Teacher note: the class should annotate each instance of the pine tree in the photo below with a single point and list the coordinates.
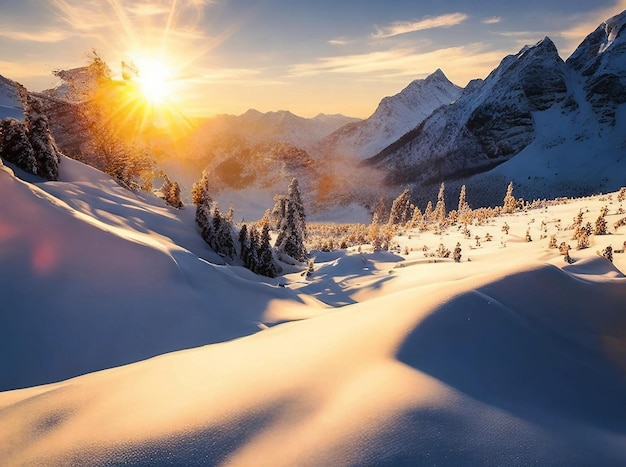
(15, 145)
(601, 226)
(456, 254)
(439, 214)
(44, 147)
(244, 242)
(251, 260)
(428, 212)
(380, 215)
(203, 203)
(509, 200)
(292, 224)
(400, 209)
(266, 265)
(174, 196)
(416, 219)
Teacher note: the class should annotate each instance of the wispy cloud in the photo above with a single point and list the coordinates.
(340, 41)
(403, 27)
(492, 20)
(37, 36)
(462, 63)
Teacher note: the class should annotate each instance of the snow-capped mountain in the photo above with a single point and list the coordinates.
(394, 116)
(11, 98)
(282, 126)
(555, 122)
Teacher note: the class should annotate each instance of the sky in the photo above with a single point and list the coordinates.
(227, 56)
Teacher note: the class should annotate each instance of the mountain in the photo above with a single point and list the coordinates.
(394, 116)
(282, 126)
(549, 125)
(12, 96)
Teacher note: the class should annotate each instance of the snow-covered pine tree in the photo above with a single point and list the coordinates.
(266, 266)
(292, 225)
(439, 214)
(203, 202)
(464, 210)
(400, 209)
(15, 145)
(601, 225)
(509, 200)
(251, 260)
(44, 147)
(456, 254)
(244, 242)
(224, 236)
(174, 196)
(380, 215)
(428, 212)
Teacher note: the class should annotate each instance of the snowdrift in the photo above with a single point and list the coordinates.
(513, 368)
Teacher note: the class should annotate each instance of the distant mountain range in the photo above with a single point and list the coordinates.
(554, 127)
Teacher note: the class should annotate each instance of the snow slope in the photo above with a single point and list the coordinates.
(10, 100)
(512, 358)
(94, 276)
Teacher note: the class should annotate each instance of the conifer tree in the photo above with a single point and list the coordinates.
(400, 209)
(292, 225)
(15, 145)
(244, 242)
(428, 212)
(601, 226)
(439, 214)
(203, 201)
(509, 200)
(380, 212)
(44, 147)
(266, 266)
(251, 260)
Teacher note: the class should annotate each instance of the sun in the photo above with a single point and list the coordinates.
(154, 79)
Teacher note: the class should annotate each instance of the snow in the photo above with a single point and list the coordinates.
(10, 101)
(512, 358)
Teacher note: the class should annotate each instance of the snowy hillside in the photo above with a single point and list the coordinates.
(394, 116)
(563, 116)
(95, 276)
(11, 102)
(510, 356)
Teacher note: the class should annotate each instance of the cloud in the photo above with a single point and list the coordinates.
(39, 36)
(340, 41)
(492, 20)
(462, 63)
(403, 27)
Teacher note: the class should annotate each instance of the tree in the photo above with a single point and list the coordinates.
(428, 212)
(464, 210)
(456, 254)
(15, 145)
(380, 215)
(203, 202)
(244, 242)
(44, 147)
(439, 214)
(291, 221)
(510, 203)
(251, 260)
(401, 209)
(266, 266)
(601, 226)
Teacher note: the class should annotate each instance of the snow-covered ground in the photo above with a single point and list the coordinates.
(388, 358)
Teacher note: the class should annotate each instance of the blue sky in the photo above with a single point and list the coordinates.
(307, 57)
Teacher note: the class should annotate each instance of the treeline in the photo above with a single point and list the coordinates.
(250, 244)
